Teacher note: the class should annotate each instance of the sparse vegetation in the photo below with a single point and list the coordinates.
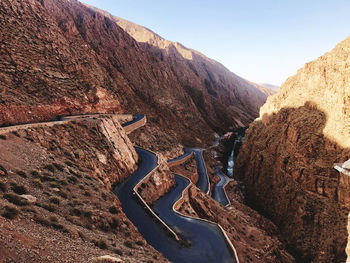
(42, 221)
(115, 222)
(63, 182)
(58, 166)
(53, 223)
(113, 210)
(63, 194)
(49, 207)
(76, 212)
(55, 200)
(139, 243)
(15, 199)
(10, 212)
(47, 178)
(128, 243)
(118, 251)
(16, 133)
(69, 163)
(37, 183)
(18, 189)
(3, 187)
(50, 167)
(35, 174)
(3, 171)
(72, 179)
(22, 174)
(100, 243)
(3, 137)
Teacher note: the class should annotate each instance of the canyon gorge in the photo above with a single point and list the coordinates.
(112, 137)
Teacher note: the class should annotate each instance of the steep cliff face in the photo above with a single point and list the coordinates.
(72, 215)
(222, 98)
(61, 57)
(286, 161)
(254, 237)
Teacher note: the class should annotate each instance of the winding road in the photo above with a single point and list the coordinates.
(219, 193)
(203, 180)
(208, 244)
(207, 241)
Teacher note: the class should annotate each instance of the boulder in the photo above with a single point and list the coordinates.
(346, 165)
(106, 259)
(31, 199)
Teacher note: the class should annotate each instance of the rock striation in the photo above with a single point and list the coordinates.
(286, 161)
(63, 58)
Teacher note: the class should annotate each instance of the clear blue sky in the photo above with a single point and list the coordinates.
(264, 41)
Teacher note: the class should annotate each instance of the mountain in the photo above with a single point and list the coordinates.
(270, 86)
(58, 175)
(286, 162)
(78, 60)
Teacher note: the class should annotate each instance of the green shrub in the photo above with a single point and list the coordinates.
(28, 209)
(72, 179)
(47, 178)
(55, 200)
(118, 252)
(63, 182)
(42, 221)
(60, 227)
(3, 170)
(63, 194)
(128, 243)
(115, 222)
(15, 199)
(113, 210)
(22, 174)
(76, 212)
(58, 166)
(10, 212)
(18, 189)
(87, 213)
(16, 133)
(76, 202)
(35, 174)
(100, 243)
(49, 207)
(30, 139)
(3, 187)
(139, 243)
(53, 222)
(50, 167)
(69, 163)
(37, 183)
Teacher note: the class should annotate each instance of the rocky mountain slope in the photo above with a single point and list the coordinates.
(61, 57)
(270, 86)
(287, 159)
(56, 201)
(202, 76)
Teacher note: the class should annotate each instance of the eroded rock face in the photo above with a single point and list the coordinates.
(158, 183)
(254, 237)
(65, 171)
(63, 58)
(287, 159)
